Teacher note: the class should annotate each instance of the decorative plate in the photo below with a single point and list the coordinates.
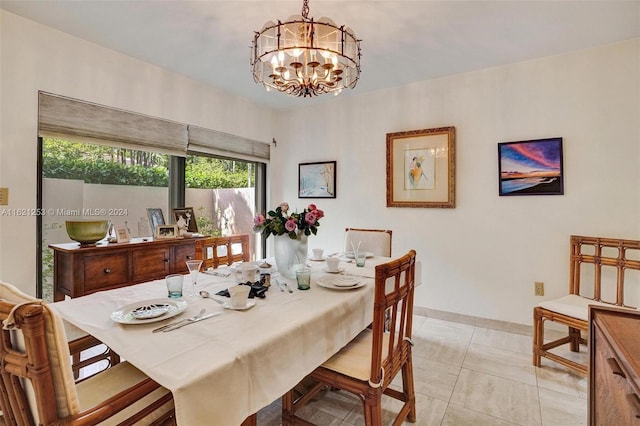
(350, 254)
(332, 272)
(340, 282)
(141, 313)
(227, 305)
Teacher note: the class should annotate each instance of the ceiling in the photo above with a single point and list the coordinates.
(402, 40)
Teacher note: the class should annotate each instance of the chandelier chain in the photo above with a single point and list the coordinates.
(305, 9)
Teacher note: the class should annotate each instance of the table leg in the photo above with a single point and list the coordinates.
(252, 420)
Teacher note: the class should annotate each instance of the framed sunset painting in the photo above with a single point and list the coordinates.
(531, 167)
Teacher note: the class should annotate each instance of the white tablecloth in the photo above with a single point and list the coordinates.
(225, 368)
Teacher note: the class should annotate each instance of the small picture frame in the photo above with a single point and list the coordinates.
(317, 180)
(155, 218)
(532, 167)
(122, 235)
(166, 231)
(186, 220)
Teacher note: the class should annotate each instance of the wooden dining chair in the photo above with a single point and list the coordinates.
(376, 241)
(609, 262)
(217, 251)
(368, 364)
(36, 378)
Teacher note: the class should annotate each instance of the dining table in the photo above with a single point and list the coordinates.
(224, 369)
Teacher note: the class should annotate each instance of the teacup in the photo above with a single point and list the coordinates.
(246, 272)
(239, 295)
(333, 264)
(317, 253)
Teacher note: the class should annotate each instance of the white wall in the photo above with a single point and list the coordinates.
(482, 258)
(34, 57)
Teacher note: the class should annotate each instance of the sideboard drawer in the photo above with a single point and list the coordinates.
(182, 253)
(102, 271)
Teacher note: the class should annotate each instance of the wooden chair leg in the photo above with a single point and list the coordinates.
(287, 409)
(574, 339)
(409, 389)
(538, 336)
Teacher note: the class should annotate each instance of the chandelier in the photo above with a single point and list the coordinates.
(303, 57)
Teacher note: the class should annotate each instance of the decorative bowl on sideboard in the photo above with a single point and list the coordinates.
(87, 232)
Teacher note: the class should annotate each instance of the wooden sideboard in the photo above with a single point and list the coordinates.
(83, 270)
(614, 373)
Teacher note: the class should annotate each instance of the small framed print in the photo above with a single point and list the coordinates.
(166, 231)
(155, 218)
(186, 219)
(122, 235)
(531, 167)
(317, 180)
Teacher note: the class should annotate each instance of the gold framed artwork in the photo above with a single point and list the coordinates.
(421, 166)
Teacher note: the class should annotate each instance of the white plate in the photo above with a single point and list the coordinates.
(227, 305)
(330, 282)
(350, 254)
(332, 272)
(125, 315)
(318, 260)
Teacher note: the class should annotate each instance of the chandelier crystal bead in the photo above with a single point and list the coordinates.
(304, 57)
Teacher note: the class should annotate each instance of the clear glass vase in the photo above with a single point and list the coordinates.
(290, 253)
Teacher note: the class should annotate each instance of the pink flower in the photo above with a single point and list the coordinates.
(310, 218)
(319, 214)
(290, 225)
(259, 220)
(312, 207)
(284, 207)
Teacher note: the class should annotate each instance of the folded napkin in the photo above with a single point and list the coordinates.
(257, 290)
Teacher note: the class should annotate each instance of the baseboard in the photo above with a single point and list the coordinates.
(509, 327)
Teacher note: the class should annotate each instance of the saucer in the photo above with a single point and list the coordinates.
(315, 259)
(250, 304)
(332, 272)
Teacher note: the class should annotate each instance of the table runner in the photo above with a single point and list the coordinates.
(226, 368)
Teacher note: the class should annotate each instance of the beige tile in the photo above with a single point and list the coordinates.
(503, 340)
(502, 363)
(431, 378)
(505, 399)
(559, 409)
(442, 341)
(558, 378)
(429, 411)
(460, 416)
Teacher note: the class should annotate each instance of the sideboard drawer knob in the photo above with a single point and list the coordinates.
(166, 261)
(188, 257)
(107, 270)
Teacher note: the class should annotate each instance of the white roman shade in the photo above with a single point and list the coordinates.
(82, 121)
(221, 144)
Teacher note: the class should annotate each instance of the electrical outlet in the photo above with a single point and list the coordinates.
(539, 288)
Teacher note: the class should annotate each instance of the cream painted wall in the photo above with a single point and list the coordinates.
(34, 57)
(482, 257)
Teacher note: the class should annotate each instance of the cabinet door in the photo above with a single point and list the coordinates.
(182, 253)
(105, 270)
(150, 263)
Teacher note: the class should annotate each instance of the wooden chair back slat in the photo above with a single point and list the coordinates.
(212, 245)
(621, 263)
(392, 313)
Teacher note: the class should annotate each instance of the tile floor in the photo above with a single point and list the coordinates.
(466, 375)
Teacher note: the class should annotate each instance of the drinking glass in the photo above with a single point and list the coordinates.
(303, 276)
(361, 257)
(194, 268)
